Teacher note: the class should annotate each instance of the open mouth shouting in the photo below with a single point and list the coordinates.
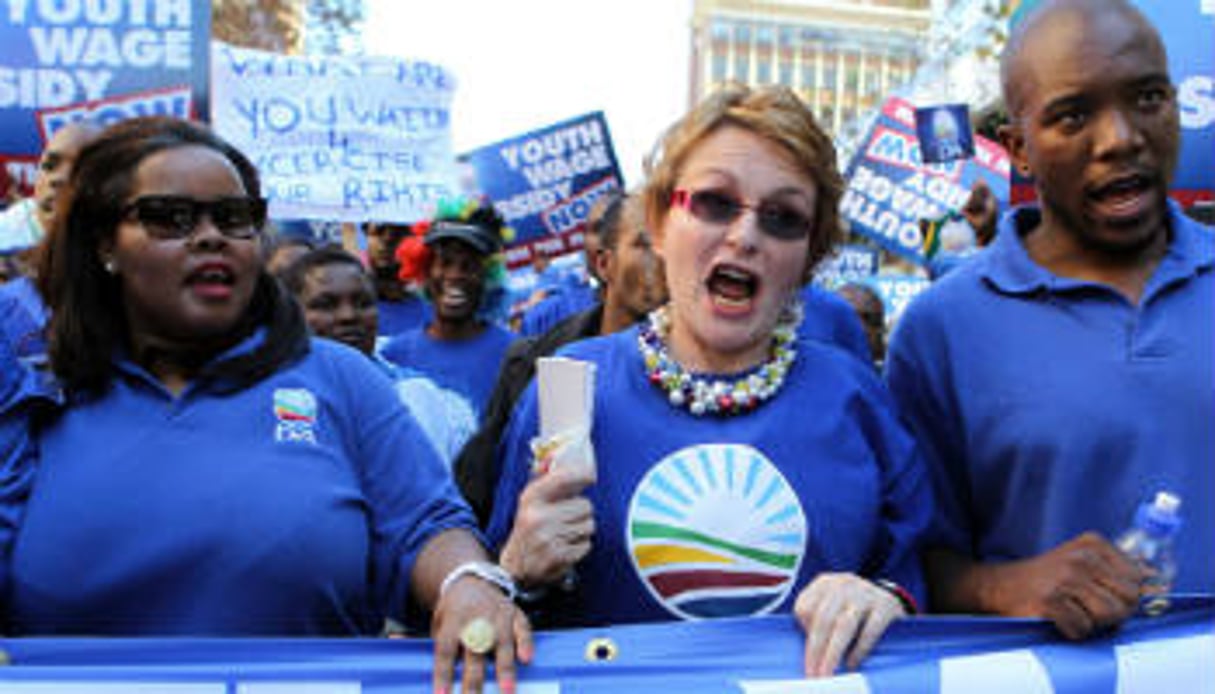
(1123, 199)
(212, 281)
(732, 289)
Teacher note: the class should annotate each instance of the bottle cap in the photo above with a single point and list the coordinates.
(1160, 517)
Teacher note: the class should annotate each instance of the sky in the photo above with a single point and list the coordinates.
(521, 65)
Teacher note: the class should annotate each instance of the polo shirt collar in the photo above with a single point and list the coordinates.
(1008, 267)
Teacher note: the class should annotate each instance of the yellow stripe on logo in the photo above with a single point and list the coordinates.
(649, 556)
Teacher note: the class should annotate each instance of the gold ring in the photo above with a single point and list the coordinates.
(478, 636)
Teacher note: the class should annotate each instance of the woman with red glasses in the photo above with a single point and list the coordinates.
(741, 469)
(209, 470)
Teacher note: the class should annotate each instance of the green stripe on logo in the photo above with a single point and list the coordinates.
(646, 530)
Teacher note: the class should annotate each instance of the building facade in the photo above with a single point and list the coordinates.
(844, 57)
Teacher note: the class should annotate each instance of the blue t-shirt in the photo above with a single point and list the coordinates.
(563, 302)
(294, 507)
(464, 369)
(1047, 406)
(397, 317)
(713, 517)
(830, 319)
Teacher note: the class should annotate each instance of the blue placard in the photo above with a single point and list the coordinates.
(890, 188)
(944, 132)
(849, 263)
(63, 60)
(545, 181)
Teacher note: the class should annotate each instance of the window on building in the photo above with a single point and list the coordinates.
(720, 30)
(742, 65)
(763, 71)
(718, 67)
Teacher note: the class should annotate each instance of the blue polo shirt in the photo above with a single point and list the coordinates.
(1048, 406)
(465, 369)
(699, 517)
(296, 506)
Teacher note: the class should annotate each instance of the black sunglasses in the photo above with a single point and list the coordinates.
(716, 207)
(175, 216)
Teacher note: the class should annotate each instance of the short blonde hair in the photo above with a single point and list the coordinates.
(773, 112)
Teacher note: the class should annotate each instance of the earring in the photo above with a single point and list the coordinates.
(109, 266)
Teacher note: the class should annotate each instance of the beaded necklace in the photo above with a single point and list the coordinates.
(722, 396)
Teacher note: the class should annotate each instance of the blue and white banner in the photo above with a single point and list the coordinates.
(544, 183)
(60, 61)
(849, 263)
(890, 188)
(943, 655)
(339, 138)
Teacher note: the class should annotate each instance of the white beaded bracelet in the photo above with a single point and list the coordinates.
(485, 571)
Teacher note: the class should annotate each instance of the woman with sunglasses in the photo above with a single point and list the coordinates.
(741, 469)
(209, 469)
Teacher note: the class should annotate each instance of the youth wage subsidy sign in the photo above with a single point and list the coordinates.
(890, 188)
(63, 60)
(544, 183)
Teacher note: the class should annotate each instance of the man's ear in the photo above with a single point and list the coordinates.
(602, 264)
(1013, 139)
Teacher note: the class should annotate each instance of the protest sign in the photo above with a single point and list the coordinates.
(896, 292)
(890, 188)
(849, 263)
(339, 138)
(67, 59)
(944, 132)
(545, 182)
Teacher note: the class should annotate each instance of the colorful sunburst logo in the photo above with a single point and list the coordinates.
(716, 531)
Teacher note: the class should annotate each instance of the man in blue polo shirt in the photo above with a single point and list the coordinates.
(1065, 375)
(460, 349)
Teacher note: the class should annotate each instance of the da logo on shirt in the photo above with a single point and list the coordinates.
(295, 410)
(716, 531)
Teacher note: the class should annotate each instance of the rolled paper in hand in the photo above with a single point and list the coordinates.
(478, 636)
(566, 390)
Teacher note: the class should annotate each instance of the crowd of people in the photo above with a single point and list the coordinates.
(209, 430)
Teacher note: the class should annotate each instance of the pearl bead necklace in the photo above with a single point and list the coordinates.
(702, 395)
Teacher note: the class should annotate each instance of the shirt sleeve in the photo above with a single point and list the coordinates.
(907, 501)
(19, 397)
(408, 487)
(919, 383)
(515, 454)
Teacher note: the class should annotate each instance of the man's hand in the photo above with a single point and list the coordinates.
(1084, 586)
(553, 527)
(980, 210)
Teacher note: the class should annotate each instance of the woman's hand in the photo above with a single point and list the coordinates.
(468, 599)
(552, 529)
(842, 613)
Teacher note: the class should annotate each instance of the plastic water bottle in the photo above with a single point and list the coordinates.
(1150, 542)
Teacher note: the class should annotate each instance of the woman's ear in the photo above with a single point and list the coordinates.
(105, 256)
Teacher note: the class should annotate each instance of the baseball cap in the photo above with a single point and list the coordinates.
(475, 235)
